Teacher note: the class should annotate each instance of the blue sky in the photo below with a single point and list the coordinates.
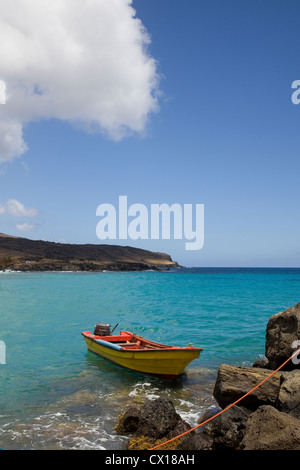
(224, 133)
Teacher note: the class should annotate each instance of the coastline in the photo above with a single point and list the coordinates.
(22, 254)
(258, 407)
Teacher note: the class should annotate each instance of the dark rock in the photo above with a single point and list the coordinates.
(158, 422)
(233, 382)
(261, 363)
(270, 429)
(128, 421)
(199, 441)
(157, 418)
(289, 394)
(227, 429)
(180, 428)
(283, 329)
(209, 414)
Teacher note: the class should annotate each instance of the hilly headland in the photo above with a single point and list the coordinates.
(22, 254)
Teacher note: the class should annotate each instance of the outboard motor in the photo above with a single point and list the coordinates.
(102, 329)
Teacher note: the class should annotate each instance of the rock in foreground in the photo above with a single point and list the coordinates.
(283, 333)
(155, 422)
(234, 382)
(228, 429)
(270, 429)
(289, 393)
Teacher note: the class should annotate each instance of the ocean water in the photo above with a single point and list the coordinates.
(55, 394)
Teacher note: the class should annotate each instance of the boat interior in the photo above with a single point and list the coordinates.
(129, 340)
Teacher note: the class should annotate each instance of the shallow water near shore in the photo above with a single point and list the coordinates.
(56, 395)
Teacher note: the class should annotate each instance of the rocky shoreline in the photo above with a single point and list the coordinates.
(266, 419)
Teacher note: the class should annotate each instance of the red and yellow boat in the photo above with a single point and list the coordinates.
(139, 354)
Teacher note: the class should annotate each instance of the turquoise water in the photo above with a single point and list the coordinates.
(56, 395)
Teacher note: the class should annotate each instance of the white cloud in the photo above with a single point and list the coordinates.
(83, 62)
(12, 144)
(2, 92)
(17, 209)
(25, 227)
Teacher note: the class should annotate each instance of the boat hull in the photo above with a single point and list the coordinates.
(166, 362)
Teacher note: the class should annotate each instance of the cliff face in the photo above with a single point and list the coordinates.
(32, 255)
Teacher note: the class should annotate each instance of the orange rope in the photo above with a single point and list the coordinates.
(229, 406)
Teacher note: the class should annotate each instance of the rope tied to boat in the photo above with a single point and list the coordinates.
(229, 406)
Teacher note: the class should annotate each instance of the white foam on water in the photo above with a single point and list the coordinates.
(9, 271)
(186, 406)
(141, 389)
(60, 430)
